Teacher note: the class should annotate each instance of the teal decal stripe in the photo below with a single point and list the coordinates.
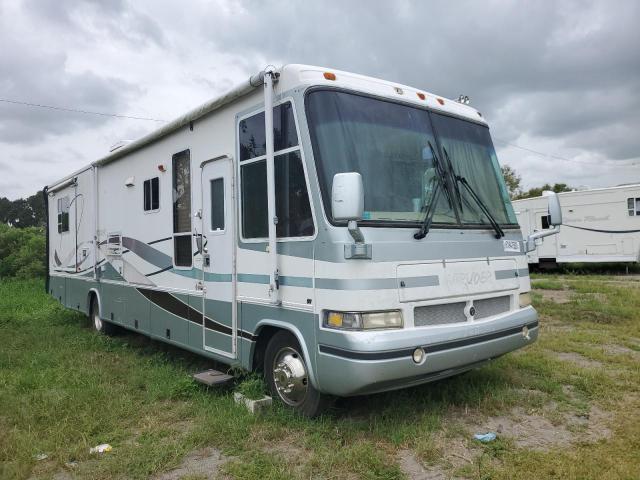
(356, 284)
(290, 281)
(253, 278)
(505, 274)
(208, 277)
(414, 282)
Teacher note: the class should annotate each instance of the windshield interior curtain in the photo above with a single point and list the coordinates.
(388, 144)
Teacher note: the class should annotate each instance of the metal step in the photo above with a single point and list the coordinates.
(212, 377)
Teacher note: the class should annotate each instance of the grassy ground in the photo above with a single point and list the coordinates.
(566, 407)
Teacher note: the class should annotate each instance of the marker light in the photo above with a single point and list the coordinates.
(418, 355)
(329, 76)
(421, 95)
(440, 101)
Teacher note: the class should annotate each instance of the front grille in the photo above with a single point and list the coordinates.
(488, 307)
(439, 314)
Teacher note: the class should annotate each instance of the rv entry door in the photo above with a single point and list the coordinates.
(218, 234)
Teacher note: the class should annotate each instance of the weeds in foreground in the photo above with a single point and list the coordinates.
(64, 389)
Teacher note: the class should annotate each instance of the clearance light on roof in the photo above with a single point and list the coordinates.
(440, 101)
(329, 75)
(162, 168)
(398, 90)
(421, 96)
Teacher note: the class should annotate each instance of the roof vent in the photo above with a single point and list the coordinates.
(118, 145)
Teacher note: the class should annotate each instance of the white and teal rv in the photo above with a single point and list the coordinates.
(344, 234)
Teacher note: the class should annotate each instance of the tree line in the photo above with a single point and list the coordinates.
(23, 212)
(513, 181)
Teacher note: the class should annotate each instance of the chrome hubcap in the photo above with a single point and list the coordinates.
(290, 376)
(97, 322)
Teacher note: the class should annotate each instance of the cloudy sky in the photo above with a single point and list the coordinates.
(561, 79)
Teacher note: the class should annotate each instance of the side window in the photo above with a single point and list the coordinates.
(63, 214)
(182, 242)
(151, 189)
(292, 200)
(251, 132)
(633, 206)
(217, 204)
(545, 221)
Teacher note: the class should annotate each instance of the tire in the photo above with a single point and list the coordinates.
(99, 325)
(286, 374)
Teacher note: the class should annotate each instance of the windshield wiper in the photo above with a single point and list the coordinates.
(474, 195)
(435, 196)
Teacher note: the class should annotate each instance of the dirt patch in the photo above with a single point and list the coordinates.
(593, 426)
(527, 430)
(204, 463)
(614, 349)
(414, 470)
(577, 359)
(556, 296)
(537, 431)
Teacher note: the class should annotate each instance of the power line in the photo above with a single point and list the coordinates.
(102, 114)
(556, 157)
(65, 109)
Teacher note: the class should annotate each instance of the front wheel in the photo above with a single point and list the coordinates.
(98, 324)
(286, 373)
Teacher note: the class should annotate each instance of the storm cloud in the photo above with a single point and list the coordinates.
(561, 78)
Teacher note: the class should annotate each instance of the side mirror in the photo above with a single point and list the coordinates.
(555, 219)
(347, 196)
(555, 211)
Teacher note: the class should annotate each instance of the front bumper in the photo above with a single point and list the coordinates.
(356, 363)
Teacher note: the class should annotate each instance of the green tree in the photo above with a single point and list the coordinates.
(537, 191)
(512, 179)
(22, 252)
(23, 212)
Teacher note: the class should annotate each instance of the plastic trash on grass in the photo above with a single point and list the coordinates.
(102, 448)
(485, 437)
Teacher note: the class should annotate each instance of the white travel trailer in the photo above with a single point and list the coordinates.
(344, 234)
(600, 225)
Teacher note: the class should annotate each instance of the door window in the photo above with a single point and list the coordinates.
(217, 204)
(181, 163)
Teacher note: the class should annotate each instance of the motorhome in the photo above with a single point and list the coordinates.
(600, 225)
(343, 234)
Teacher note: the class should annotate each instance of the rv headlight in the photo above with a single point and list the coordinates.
(525, 299)
(363, 320)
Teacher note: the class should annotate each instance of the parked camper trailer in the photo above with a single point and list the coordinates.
(344, 234)
(600, 225)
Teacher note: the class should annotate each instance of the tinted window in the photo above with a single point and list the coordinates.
(181, 192)
(292, 200)
(63, 214)
(251, 132)
(151, 194)
(217, 204)
(254, 200)
(182, 253)
(545, 221)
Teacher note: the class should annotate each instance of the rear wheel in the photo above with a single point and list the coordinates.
(98, 324)
(286, 373)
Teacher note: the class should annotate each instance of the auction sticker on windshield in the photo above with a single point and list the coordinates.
(511, 246)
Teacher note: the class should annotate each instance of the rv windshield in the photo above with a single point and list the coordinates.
(388, 144)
